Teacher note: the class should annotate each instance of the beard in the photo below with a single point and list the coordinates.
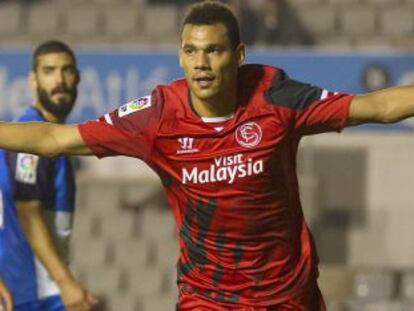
(63, 107)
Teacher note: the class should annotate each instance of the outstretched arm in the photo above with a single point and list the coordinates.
(41, 138)
(385, 106)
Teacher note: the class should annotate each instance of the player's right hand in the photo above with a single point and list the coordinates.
(6, 301)
(75, 297)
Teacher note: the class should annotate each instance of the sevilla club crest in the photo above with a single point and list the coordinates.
(249, 134)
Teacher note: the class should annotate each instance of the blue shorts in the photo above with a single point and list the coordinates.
(52, 303)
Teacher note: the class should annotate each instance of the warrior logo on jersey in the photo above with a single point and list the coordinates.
(186, 145)
(249, 134)
(134, 105)
(26, 167)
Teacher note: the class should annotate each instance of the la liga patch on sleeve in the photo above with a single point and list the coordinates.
(26, 168)
(134, 106)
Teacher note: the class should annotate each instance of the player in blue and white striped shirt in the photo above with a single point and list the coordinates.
(44, 189)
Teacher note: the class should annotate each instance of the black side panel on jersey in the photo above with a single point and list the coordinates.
(291, 93)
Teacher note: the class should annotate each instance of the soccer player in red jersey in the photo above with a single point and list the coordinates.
(224, 141)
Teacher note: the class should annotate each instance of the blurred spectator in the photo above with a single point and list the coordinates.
(281, 26)
(249, 18)
(271, 22)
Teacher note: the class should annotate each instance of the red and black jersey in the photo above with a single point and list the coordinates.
(234, 191)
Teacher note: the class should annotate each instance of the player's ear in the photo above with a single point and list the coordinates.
(32, 80)
(180, 53)
(241, 54)
(78, 77)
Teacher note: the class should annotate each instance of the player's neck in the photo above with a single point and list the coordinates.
(49, 117)
(216, 107)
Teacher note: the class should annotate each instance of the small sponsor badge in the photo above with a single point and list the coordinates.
(134, 105)
(26, 168)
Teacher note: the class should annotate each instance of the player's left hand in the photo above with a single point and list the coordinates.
(6, 301)
(92, 300)
(75, 297)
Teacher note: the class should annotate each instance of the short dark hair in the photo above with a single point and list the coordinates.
(212, 13)
(51, 46)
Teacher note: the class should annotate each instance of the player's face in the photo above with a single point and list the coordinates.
(56, 79)
(209, 60)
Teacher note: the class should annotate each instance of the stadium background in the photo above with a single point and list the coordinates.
(356, 187)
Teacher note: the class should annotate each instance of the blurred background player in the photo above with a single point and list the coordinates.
(44, 188)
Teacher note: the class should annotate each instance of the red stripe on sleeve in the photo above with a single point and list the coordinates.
(105, 140)
(330, 114)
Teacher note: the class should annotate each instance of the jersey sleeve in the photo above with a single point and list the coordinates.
(129, 130)
(30, 176)
(314, 110)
